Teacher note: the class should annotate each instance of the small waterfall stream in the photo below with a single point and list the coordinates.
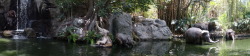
(22, 18)
(22, 14)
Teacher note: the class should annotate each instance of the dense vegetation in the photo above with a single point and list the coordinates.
(178, 14)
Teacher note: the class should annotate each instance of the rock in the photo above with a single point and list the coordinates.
(74, 25)
(8, 33)
(78, 22)
(150, 29)
(142, 31)
(121, 27)
(29, 32)
(80, 32)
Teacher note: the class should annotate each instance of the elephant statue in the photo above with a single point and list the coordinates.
(196, 36)
(105, 40)
(210, 26)
(230, 34)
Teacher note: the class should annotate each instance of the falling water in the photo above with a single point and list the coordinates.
(22, 12)
(22, 18)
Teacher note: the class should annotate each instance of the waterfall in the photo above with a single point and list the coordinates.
(22, 14)
(22, 18)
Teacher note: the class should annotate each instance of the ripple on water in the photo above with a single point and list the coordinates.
(19, 37)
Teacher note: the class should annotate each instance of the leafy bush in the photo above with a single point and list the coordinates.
(72, 36)
(242, 25)
(224, 21)
(92, 37)
(182, 24)
(129, 6)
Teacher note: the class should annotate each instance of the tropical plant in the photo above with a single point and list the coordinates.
(71, 35)
(92, 37)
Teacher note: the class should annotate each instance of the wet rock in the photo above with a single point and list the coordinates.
(121, 27)
(75, 26)
(29, 32)
(150, 29)
(78, 22)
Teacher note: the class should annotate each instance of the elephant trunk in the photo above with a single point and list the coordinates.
(233, 37)
(211, 41)
(206, 35)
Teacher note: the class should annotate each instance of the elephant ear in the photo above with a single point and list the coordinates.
(205, 35)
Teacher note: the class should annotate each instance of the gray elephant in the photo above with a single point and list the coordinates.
(197, 36)
(230, 34)
(210, 26)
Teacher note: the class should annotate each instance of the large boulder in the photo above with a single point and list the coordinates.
(121, 27)
(152, 29)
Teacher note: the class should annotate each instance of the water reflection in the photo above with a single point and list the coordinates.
(49, 47)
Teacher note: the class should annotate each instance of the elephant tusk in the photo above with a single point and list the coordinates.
(211, 41)
(233, 37)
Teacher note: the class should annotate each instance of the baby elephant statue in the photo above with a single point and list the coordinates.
(105, 41)
(230, 34)
(197, 36)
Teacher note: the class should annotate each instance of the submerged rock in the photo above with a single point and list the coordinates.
(149, 29)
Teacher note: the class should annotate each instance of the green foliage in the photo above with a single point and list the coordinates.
(103, 9)
(132, 5)
(151, 13)
(117, 6)
(223, 20)
(66, 6)
(72, 36)
(92, 36)
(242, 25)
(183, 24)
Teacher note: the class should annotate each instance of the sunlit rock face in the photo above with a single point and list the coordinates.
(148, 29)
